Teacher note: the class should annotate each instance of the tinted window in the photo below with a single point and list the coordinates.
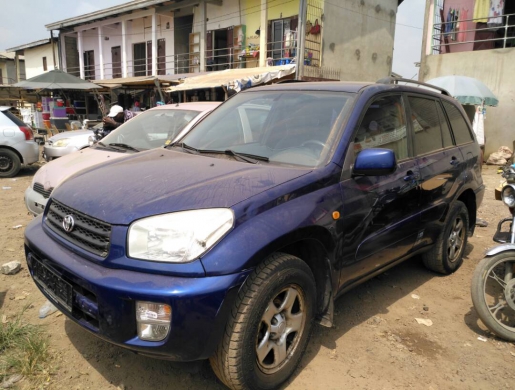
(287, 127)
(426, 125)
(151, 129)
(384, 126)
(459, 126)
(446, 131)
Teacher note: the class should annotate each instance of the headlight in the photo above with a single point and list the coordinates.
(178, 237)
(62, 142)
(508, 196)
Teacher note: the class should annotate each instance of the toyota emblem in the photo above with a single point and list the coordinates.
(68, 223)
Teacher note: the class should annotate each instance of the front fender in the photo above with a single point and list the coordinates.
(499, 248)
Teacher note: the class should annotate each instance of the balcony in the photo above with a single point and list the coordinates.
(464, 35)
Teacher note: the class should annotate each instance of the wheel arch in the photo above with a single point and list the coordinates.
(315, 246)
(13, 150)
(469, 199)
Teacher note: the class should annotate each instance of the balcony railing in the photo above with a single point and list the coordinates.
(472, 35)
(278, 52)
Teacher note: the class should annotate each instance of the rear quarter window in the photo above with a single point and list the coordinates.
(13, 118)
(459, 126)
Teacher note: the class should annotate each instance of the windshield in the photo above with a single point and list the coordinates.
(287, 127)
(151, 129)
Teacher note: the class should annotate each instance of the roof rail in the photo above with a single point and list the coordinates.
(396, 80)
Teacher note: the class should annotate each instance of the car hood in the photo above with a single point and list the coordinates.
(71, 134)
(162, 181)
(53, 173)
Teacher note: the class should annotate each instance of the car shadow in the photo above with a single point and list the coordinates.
(371, 299)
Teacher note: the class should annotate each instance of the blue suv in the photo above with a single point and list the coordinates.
(230, 243)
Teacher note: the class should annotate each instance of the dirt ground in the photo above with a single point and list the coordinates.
(375, 343)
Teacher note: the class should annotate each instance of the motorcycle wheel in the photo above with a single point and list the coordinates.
(493, 297)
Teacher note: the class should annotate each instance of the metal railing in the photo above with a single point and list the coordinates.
(280, 52)
(486, 37)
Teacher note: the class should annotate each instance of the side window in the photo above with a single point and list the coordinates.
(459, 126)
(384, 126)
(426, 125)
(446, 131)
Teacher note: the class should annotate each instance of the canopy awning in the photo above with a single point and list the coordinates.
(237, 79)
(141, 81)
(56, 79)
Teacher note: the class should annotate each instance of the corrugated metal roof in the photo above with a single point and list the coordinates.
(31, 44)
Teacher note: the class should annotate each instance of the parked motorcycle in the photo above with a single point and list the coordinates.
(493, 283)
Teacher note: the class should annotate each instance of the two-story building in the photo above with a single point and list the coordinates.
(475, 38)
(343, 39)
(40, 56)
(12, 68)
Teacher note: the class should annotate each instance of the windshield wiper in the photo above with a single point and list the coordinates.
(184, 147)
(124, 146)
(251, 158)
(108, 147)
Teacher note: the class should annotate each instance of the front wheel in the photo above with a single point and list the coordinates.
(269, 326)
(493, 294)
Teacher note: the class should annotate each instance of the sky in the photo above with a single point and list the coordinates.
(25, 23)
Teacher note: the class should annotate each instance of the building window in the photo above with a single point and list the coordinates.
(1, 77)
(282, 38)
(44, 64)
(89, 65)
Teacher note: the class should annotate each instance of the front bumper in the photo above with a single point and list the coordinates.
(103, 300)
(51, 152)
(34, 201)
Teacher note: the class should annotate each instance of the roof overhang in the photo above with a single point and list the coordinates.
(41, 42)
(126, 8)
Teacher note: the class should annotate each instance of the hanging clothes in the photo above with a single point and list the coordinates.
(495, 13)
(448, 25)
(481, 11)
(463, 27)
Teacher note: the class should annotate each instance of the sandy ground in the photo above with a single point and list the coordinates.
(375, 343)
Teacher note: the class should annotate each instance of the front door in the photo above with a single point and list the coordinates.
(116, 59)
(380, 213)
(149, 58)
(161, 56)
(89, 65)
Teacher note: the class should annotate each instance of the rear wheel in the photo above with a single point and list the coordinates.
(10, 163)
(447, 254)
(269, 326)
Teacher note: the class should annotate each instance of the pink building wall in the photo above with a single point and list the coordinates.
(461, 5)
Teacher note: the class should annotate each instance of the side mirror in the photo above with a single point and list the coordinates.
(375, 162)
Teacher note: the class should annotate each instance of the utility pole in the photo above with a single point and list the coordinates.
(301, 39)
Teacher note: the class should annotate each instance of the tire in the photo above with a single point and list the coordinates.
(10, 163)
(281, 281)
(503, 322)
(446, 256)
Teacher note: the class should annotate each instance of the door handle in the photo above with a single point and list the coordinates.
(454, 161)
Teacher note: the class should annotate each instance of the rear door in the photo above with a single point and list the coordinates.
(440, 162)
(380, 213)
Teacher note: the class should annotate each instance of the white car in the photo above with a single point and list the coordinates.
(17, 144)
(65, 143)
(150, 129)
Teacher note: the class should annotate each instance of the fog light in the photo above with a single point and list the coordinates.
(153, 320)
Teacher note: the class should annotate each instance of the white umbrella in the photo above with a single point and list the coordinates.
(466, 90)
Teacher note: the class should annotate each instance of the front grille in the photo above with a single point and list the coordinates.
(40, 189)
(88, 233)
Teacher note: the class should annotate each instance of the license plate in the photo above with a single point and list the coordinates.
(53, 284)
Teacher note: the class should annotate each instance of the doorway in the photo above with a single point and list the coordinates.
(183, 26)
(89, 65)
(139, 59)
(116, 59)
